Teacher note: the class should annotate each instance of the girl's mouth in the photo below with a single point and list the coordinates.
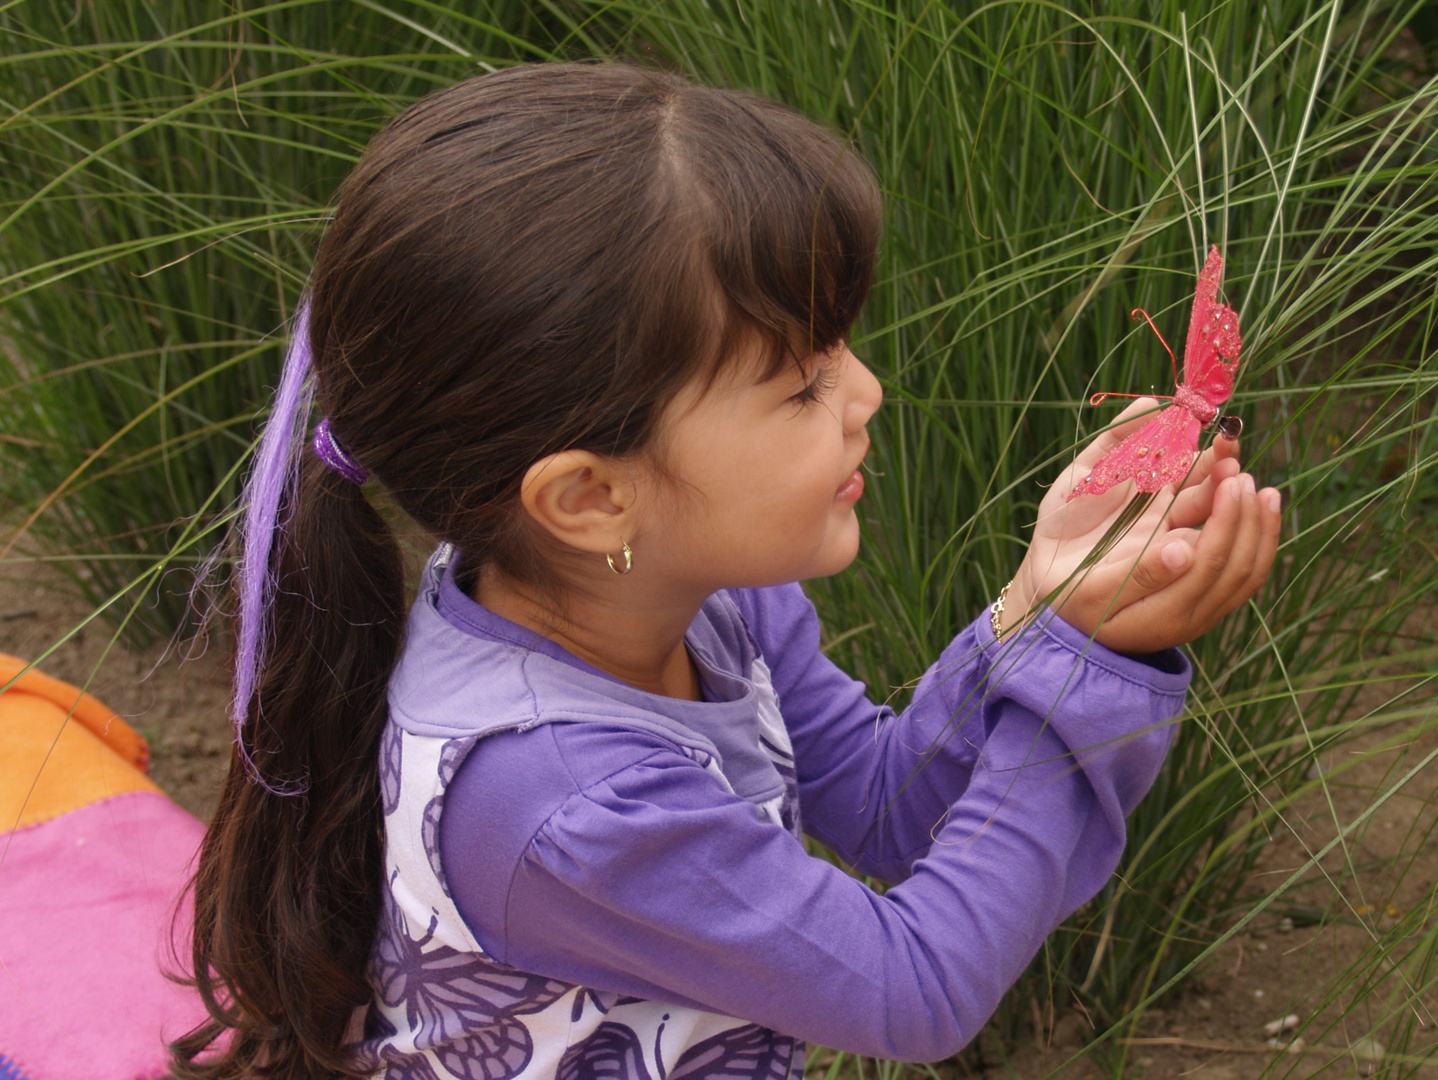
(851, 489)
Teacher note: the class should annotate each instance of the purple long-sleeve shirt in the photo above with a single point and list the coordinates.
(605, 855)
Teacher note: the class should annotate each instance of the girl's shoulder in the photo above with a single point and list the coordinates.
(466, 674)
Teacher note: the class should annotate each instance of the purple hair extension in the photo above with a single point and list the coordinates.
(275, 463)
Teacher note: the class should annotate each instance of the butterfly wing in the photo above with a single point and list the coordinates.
(1161, 452)
(457, 1000)
(391, 760)
(612, 1052)
(1210, 357)
(744, 1053)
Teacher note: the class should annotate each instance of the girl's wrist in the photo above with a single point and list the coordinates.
(1010, 610)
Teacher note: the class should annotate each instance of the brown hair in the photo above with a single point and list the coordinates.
(529, 261)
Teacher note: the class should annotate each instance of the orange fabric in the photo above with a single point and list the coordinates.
(61, 749)
(114, 732)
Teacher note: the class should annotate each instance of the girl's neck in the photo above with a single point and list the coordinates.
(619, 630)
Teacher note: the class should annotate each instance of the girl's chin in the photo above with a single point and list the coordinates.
(840, 550)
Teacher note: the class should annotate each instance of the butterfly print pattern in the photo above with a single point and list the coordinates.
(749, 1052)
(787, 809)
(443, 1010)
(450, 759)
(1163, 451)
(613, 1052)
(775, 745)
(391, 747)
(746, 1053)
(459, 1005)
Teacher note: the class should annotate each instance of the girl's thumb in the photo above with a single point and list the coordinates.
(1118, 585)
(1176, 557)
(1106, 589)
(1160, 566)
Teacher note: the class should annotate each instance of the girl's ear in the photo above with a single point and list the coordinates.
(582, 499)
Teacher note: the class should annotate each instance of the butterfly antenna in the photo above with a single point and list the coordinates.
(1139, 312)
(1099, 399)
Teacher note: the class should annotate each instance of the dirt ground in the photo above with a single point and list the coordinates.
(1297, 960)
(178, 705)
(1213, 1031)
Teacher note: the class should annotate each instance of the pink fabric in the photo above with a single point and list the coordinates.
(85, 913)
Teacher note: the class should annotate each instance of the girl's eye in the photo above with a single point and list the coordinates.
(826, 377)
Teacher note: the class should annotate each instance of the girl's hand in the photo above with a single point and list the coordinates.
(1166, 582)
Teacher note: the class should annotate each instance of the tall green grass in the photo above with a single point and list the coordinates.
(164, 170)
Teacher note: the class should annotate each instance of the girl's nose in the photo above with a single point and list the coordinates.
(864, 397)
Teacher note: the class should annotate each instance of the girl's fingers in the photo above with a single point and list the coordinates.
(1269, 522)
(1223, 450)
(1062, 519)
(1196, 590)
(1240, 561)
(1143, 588)
(1193, 504)
(1114, 587)
(1271, 503)
(1161, 564)
(1188, 579)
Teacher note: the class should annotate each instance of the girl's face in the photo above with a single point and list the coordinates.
(765, 476)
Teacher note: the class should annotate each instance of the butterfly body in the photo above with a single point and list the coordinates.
(1163, 451)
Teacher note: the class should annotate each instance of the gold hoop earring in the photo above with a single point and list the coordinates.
(628, 560)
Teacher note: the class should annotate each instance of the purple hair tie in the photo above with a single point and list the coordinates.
(334, 456)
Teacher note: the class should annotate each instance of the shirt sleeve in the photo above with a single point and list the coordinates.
(655, 881)
(873, 785)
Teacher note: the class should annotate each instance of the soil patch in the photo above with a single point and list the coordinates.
(177, 702)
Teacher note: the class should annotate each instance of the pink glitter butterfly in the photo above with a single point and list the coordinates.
(1164, 449)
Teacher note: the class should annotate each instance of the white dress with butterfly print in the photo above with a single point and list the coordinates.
(443, 1010)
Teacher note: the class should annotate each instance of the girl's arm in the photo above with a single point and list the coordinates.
(874, 786)
(1189, 558)
(649, 879)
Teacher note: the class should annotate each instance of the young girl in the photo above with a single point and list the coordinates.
(587, 325)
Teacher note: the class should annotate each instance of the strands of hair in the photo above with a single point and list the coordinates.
(273, 469)
(525, 262)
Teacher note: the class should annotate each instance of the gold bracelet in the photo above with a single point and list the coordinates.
(997, 610)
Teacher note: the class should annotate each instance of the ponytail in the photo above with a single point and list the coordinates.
(288, 889)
